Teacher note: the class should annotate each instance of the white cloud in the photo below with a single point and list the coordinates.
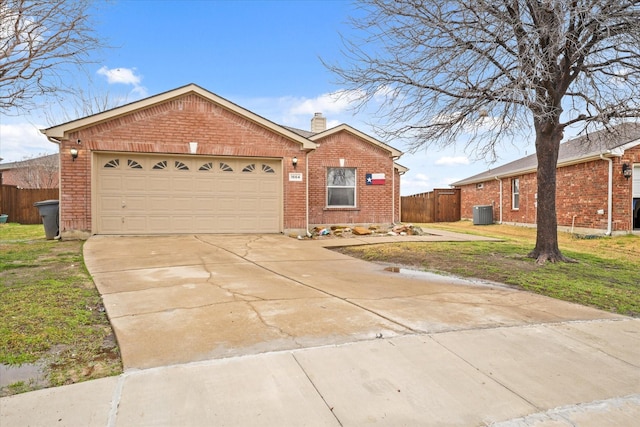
(298, 111)
(21, 140)
(125, 76)
(452, 161)
(414, 183)
(329, 103)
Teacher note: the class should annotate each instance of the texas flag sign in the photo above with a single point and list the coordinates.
(375, 179)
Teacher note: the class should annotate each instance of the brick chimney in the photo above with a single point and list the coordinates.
(318, 123)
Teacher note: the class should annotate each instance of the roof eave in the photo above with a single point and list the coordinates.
(401, 169)
(564, 163)
(344, 127)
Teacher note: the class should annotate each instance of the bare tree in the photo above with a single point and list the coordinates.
(82, 103)
(491, 69)
(41, 41)
(40, 171)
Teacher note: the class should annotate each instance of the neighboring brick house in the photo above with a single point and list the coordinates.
(598, 185)
(189, 161)
(36, 172)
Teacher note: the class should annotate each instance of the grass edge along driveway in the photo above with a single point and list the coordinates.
(606, 275)
(52, 322)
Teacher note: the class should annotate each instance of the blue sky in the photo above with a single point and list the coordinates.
(261, 55)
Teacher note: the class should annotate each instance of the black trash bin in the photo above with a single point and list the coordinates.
(50, 218)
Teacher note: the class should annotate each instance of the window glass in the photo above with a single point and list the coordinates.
(515, 193)
(341, 187)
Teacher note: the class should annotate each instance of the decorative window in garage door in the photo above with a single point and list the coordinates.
(181, 166)
(160, 165)
(206, 167)
(252, 168)
(115, 164)
(164, 164)
(223, 167)
(133, 164)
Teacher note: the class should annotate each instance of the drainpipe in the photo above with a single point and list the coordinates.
(500, 181)
(393, 192)
(306, 195)
(609, 195)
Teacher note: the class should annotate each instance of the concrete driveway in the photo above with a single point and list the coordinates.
(178, 299)
(271, 331)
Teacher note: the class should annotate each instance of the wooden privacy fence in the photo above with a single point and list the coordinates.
(439, 205)
(18, 202)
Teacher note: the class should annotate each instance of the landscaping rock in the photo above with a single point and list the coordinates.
(361, 231)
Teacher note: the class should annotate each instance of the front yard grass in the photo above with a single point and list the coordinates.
(606, 276)
(50, 311)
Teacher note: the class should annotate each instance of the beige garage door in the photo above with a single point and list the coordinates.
(149, 194)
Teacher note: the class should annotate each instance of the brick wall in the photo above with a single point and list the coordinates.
(170, 126)
(374, 203)
(581, 196)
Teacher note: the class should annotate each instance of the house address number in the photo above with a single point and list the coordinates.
(295, 176)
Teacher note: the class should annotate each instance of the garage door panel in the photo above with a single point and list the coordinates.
(111, 224)
(202, 204)
(165, 194)
(267, 208)
(268, 187)
(204, 184)
(135, 182)
(226, 203)
(159, 224)
(157, 182)
(248, 186)
(180, 204)
(134, 203)
(182, 183)
(134, 224)
(110, 203)
(250, 205)
(110, 183)
(181, 224)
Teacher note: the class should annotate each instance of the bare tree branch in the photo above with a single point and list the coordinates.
(39, 171)
(510, 59)
(489, 70)
(41, 44)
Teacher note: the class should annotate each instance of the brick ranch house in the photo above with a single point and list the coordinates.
(189, 161)
(598, 185)
(37, 172)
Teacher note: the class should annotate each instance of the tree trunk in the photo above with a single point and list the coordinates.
(548, 139)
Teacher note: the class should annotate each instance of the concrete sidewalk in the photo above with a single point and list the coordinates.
(565, 374)
(268, 330)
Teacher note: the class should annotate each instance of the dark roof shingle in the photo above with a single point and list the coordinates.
(582, 148)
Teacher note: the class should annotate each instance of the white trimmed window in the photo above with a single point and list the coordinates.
(515, 193)
(341, 187)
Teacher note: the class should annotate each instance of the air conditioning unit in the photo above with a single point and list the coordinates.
(483, 215)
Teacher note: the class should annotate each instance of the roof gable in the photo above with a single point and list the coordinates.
(606, 142)
(346, 128)
(60, 131)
